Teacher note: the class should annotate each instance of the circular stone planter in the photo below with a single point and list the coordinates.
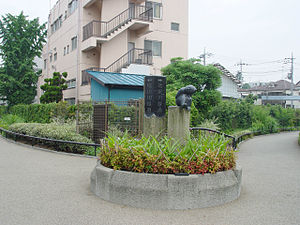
(165, 191)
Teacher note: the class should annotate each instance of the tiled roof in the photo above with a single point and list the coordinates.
(272, 86)
(120, 79)
(226, 72)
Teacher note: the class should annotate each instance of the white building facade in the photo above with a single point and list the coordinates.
(230, 85)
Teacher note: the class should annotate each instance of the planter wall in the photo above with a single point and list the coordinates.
(159, 191)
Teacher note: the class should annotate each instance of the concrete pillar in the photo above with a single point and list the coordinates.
(155, 126)
(179, 123)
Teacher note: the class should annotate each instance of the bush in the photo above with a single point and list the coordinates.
(54, 131)
(9, 119)
(285, 117)
(3, 110)
(262, 121)
(210, 124)
(44, 113)
(207, 154)
(241, 114)
(232, 115)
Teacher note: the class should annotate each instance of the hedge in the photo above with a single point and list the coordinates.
(54, 131)
(44, 113)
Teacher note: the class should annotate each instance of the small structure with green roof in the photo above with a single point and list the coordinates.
(107, 86)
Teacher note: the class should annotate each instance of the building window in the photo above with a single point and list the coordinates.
(71, 101)
(84, 78)
(56, 25)
(71, 83)
(68, 49)
(65, 50)
(175, 26)
(157, 9)
(74, 43)
(45, 64)
(55, 56)
(154, 46)
(72, 6)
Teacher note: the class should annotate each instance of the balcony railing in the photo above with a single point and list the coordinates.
(134, 56)
(104, 29)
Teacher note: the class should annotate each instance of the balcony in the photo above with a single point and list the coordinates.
(133, 18)
(88, 3)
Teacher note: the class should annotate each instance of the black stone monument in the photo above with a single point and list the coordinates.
(155, 96)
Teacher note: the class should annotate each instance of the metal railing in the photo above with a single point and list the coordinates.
(234, 144)
(134, 56)
(240, 138)
(37, 140)
(104, 29)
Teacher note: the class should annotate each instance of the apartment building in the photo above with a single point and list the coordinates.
(119, 36)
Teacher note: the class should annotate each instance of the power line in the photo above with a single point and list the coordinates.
(274, 71)
(269, 62)
(259, 75)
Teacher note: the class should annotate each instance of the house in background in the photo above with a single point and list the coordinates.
(275, 93)
(230, 85)
(117, 36)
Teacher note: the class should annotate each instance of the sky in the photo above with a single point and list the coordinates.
(258, 33)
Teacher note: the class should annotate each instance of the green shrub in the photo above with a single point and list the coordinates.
(207, 154)
(9, 119)
(262, 121)
(54, 131)
(241, 114)
(3, 110)
(240, 132)
(232, 115)
(296, 119)
(210, 124)
(284, 116)
(44, 113)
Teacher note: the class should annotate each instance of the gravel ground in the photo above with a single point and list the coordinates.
(44, 188)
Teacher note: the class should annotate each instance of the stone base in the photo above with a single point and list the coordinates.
(159, 191)
(179, 123)
(155, 126)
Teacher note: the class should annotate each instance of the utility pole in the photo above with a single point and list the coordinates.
(291, 75)
(204, 55)
(241, 64)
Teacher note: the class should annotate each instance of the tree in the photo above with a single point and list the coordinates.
(53, 88)
(246, 86)
(184, 72)
(21, 40)
(251, 98)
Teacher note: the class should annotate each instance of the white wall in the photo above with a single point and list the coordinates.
(229, 88)
(137, 69)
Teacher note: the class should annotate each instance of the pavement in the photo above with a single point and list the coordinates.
(44, 188)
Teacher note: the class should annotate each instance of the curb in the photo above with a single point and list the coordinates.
(166, 191)
(46, 150)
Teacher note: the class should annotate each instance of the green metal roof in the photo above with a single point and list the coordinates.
(118, 79)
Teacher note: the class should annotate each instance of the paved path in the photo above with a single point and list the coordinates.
(42, 188)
